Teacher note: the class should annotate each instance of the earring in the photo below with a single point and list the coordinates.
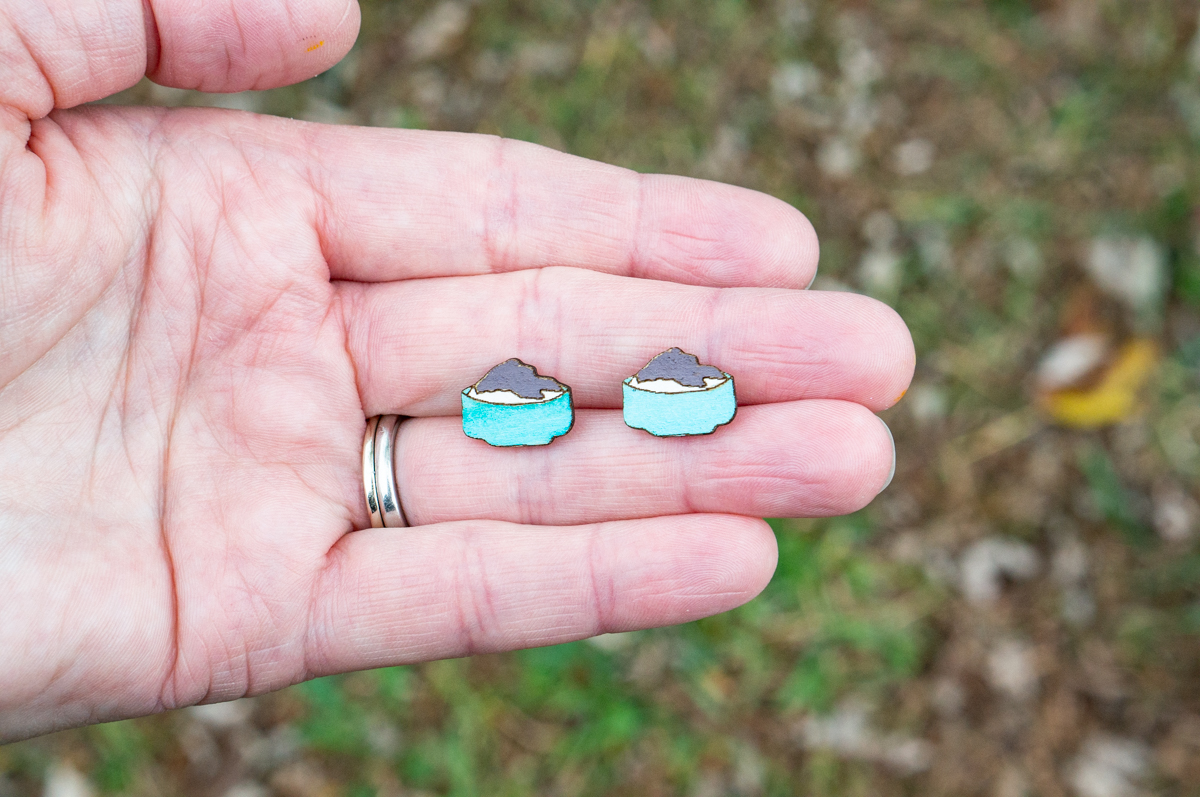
(674, 396)
(513, 405)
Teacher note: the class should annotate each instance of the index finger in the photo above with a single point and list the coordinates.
(403, 204)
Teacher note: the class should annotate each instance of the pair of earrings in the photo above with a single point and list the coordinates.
(673, 395)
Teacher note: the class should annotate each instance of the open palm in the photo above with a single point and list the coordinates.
(199, 309)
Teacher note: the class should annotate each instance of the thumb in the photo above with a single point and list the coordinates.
(61, 53)
(239, 45)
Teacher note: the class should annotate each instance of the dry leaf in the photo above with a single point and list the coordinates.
(1113, 397)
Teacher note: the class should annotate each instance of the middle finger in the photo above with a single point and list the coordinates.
(417, 344)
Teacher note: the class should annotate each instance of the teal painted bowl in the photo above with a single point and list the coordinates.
(679, 414)
(535, 424)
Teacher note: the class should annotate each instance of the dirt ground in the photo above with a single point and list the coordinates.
(1019, 613)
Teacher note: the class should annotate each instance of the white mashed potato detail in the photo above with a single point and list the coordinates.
(509, 397)
(671, 386)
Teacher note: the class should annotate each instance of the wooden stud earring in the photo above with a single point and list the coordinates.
(513, 405)
(675, 396)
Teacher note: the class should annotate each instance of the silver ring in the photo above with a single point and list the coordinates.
(379, 474)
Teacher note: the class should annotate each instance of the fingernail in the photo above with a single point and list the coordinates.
(892, 472)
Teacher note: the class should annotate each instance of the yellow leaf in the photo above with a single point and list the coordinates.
(1114, 398)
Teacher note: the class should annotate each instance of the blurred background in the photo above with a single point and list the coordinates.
(1019, 613)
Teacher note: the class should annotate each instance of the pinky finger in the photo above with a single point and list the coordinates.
(393, 596)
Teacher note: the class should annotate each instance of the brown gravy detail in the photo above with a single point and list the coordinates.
(679, 366)
(519, 378)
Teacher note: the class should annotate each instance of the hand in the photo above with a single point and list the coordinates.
(199, 308)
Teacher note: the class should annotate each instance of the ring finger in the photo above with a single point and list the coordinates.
(805, 458)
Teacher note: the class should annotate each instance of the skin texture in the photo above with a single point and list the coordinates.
(199, 308)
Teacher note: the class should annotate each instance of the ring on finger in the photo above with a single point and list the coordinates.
(379, 472)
